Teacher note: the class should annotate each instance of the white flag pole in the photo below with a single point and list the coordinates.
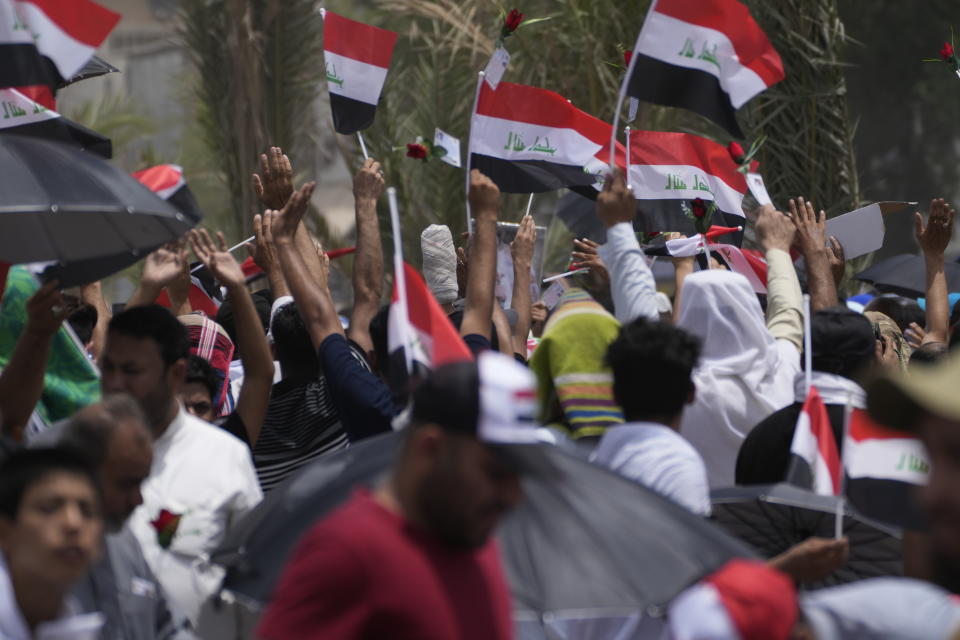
(529, 204)
(398, 275)
(626, 131)
(230, 250)
(466, 189)
(621, 96)
(807, 344)
(841, 503)
(363, 146)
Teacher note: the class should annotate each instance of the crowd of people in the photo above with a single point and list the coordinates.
(109, 518)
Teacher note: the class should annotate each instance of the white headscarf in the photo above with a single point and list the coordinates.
(745, 374)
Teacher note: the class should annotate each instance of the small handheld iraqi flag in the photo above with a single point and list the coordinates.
(708, 56)
(166, 180)
(531, 140)
(668, 169)
(46, 42)
(357, 58)
(814, 459)
(24, 116)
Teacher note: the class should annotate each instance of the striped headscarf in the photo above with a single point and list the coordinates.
(210, 341)
(574, 385)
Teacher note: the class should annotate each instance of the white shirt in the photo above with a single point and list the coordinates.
(659, 458)
(69, 626)
(207, 476)
(632, 285)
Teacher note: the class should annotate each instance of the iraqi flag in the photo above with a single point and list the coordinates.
(530, 140)
(885, 469)
(46, 42)
(357, 57)
(708, 56)
(24, 116)
(417, 323)
(167, 181)
(815, 461)
(668, 169)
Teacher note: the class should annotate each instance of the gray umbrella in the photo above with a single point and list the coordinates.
(905, 274)
(62, 204)
(585, 547)
(773, 518)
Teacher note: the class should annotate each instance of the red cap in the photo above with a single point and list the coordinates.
(761, 602)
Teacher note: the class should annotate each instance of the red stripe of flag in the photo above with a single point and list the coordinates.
(862, 427)
(823, 432)
(663, 147)
(734, 20)
(532, 105)
(427, 315)
(160, 177)
(357, 40)
(41, 94)
(82, 20)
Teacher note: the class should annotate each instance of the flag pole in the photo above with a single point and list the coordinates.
(230, 250)
(466, 189)
(398, 275)
(363, 146)
(807, 344)
(838, 522)
(626, 131)
(529, 204)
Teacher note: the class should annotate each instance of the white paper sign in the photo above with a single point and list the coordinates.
(497, 66)
(859, 232)
(451, 144)
(757, 188)
(552, 295)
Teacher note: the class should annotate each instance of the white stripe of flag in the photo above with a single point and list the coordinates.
(656, 182)
(354, 79)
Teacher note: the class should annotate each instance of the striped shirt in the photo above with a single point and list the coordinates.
(301, 424)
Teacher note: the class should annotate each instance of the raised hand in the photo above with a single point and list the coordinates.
(264, 253)
(217, 259)
(165, 265)
(838, 262)
(368, 184)
(45, 311)
(586, 254)
(934, 237)
(276, 185)
(283, 223)
(616, 204)
(811, 229)
(774, 230)
(525, 241)
(484, 195)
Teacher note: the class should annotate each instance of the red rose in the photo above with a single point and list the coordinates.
(627, 56)
(736, 152)
(166, 526)
(699, 208)
(416, 150)
(754, 166)
(946, 52)
(653, 234)
(512, 21)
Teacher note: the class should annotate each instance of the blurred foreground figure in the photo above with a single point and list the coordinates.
(412, 559)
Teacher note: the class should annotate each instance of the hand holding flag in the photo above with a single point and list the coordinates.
(616, 203)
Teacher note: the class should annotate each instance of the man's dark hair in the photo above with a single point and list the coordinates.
(901, 310)
(90, 430)
(930, 353)
(652, 363)
(199, 370)
(158, 324)
(262, 301)
(81, 316)
(292, 342)
(843, 341)
(26, 467)
(449, 397)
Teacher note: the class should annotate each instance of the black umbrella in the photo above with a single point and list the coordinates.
(61, 204)
(95, 66)
(586, 545)
(773, 518)
(906, 275)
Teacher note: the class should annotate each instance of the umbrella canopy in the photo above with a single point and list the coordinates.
(905, 274)
(64, 205)
(773, 518)
(571, 558)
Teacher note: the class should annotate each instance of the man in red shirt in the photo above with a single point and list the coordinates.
(412, 559)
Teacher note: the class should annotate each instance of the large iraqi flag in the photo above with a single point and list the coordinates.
(668, 169)
(357, 58)
(531, 140)
(708, 56)
(46, 42)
